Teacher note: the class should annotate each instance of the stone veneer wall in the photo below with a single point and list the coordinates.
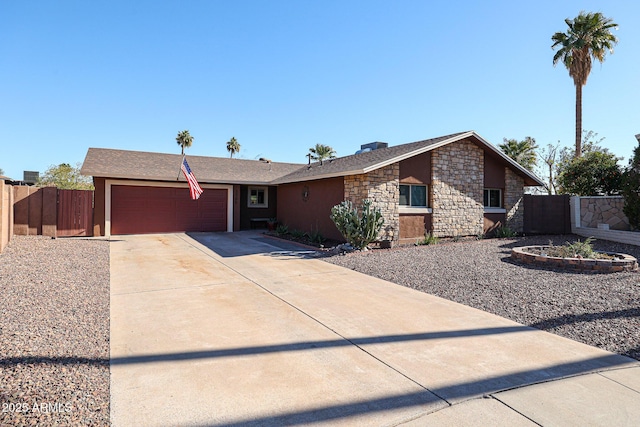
(382, 187)
(603, 210)
(513, 194)
(457, 186)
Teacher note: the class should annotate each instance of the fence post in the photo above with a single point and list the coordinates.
(574, 205)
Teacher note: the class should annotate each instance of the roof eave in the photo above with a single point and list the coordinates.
(316, 177)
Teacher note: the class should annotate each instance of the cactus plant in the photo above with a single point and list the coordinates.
(358, 229)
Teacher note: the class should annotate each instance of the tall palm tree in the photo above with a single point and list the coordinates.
(588, 37)
(522, 152)
(233, 146)
(321, 152)
(184, 140)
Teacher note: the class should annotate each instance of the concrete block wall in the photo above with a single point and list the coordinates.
(6, 214)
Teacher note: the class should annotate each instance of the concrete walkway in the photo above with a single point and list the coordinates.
(231, 329)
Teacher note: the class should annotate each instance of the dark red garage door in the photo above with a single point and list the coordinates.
(139, 210)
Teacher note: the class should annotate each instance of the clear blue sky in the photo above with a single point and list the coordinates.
(282, 76)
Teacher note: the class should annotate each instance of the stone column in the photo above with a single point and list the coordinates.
(513, 204)
(457, 186)
(382, 188)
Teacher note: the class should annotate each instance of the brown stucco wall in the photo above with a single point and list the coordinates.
(492, 221)
(494, 171)
(311, 213)
(98, 206)
(414, 226)
(246, 213)
(416, 170)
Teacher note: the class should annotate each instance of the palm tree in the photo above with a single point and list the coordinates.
(233, 146)
(522, 152)
(588, 36)
(321, 152)
(184, 139)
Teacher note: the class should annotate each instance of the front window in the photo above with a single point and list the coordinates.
(258, 197)
(492, 198)
(413, 195)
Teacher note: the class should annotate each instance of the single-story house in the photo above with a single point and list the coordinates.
(453, 185)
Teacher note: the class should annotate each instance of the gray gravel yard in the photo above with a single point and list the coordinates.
(54, 332)
(602, 310)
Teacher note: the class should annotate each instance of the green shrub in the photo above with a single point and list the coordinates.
(504, 231)
(317, 237)
(282, 230)
(297, 234)
(429, 239)
(582, 249)
(358, 228)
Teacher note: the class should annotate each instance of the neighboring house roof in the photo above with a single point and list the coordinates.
(368, 161)
(109, 163)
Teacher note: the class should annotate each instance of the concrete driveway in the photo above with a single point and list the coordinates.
(238, 329)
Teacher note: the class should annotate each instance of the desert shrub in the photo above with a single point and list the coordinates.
(297, 234)
(282, 230)
(504, 231)
(582, 249)
(358, 228)
(429, 239)
(317, 237)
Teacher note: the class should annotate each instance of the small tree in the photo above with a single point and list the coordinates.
(1, 171)
(184, 140)
(65, 177)
(233, 146)
(631, 190)
(594, 174)
(548, 156)
(358, 229)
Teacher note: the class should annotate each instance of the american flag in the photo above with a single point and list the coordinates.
(194, 187)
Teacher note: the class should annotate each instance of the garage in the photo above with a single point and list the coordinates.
(149, 209)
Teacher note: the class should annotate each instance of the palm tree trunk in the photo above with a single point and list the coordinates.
(578, 120)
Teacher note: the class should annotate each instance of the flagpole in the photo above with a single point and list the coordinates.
(180, 170)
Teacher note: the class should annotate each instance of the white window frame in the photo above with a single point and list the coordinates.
(266, 197)
(493, 209)
(415, 209)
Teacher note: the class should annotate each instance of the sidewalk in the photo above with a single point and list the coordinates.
(228, 329)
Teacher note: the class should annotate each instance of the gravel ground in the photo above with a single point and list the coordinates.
(54, 332)
(602, 310)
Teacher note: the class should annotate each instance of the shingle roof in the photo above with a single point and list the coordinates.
(109, 163)
(372, 160)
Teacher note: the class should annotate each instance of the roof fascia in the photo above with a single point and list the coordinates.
(315, 177)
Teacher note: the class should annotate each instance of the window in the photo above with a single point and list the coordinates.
(492, 198)
(413, 195)
(258, 197)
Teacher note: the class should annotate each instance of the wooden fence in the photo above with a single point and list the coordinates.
(547, 214)
(51, 212)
